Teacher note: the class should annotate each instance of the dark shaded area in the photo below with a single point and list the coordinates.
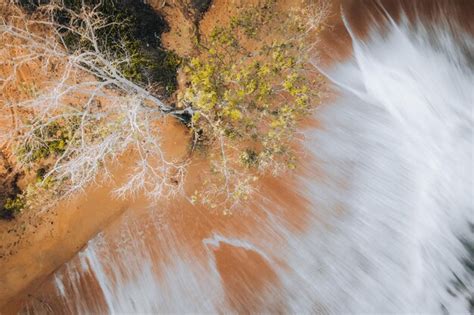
(136, 34)
(10, 204)
(201, 7)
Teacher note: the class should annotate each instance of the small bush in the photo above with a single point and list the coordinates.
(249, 92)
(12, 207)
(50, 140)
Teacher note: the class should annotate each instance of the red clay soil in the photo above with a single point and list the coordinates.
(59, 234)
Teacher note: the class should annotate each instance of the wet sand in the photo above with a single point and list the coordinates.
(74, 222)
(62, 231)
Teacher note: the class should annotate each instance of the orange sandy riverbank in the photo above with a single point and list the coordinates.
(33, 246)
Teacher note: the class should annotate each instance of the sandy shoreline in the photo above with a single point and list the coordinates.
(66, 228)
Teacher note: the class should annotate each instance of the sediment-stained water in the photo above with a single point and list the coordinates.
(379, 219)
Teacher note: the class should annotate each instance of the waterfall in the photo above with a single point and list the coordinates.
(389, 220)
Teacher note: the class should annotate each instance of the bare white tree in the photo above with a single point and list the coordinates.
(84, 104)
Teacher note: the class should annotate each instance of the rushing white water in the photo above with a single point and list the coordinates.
(401, 141)
(396, 149)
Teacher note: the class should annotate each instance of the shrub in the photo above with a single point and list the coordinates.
(248, 92)
(12, 207)
(47, 140)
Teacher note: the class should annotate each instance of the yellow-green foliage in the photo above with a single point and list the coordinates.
(252, 90)
(12, 207)
(14, 204)
(49, 140)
